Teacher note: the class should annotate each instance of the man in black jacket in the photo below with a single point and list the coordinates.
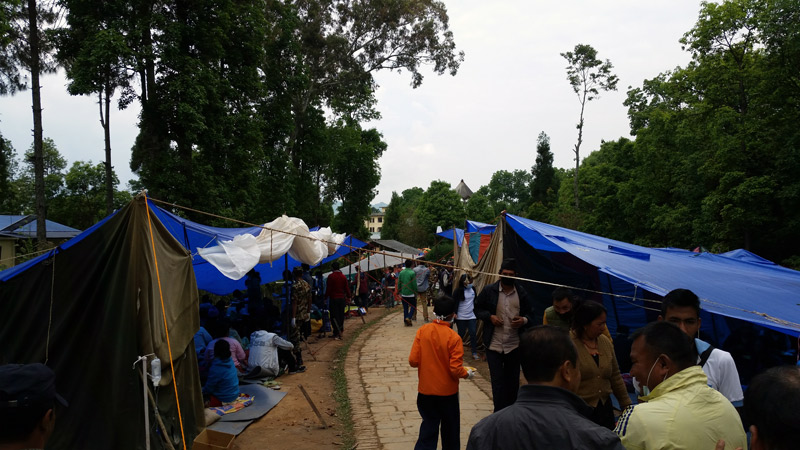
(505, 309)
(547, 413)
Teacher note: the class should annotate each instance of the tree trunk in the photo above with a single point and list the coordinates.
(38, 154)
(105, 120)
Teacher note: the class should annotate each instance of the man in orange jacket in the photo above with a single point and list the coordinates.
(438, 354)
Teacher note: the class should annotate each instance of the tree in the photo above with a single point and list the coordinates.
(53, 165)
(8, 169)
(440, 206)
(400, 222)
(98, 60)
(477, 208)
(543, 183)
(82, 201)
(587, 75)
(10, 37)
(509, 191)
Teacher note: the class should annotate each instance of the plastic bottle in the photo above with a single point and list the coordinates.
(155, 371)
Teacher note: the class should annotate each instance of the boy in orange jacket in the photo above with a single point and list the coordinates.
(438, 354)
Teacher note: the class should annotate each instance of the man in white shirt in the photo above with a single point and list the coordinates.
(681, 307)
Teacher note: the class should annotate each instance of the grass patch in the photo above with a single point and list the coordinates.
(343, 408)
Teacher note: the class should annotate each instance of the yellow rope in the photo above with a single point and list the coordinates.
(164, 315)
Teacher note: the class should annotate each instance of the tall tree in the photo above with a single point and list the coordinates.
(98, 60)
(543, 188)
(588, 76)
(440, 206)
(8, 169)
(509, 191)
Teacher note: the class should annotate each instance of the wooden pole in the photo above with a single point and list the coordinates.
(313, 406)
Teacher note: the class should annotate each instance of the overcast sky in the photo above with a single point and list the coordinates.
(511, 86)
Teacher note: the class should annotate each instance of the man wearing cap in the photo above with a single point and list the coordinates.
(506, 310)
(27, 405)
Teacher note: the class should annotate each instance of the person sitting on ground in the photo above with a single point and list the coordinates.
(267, 350)
(28, 401)
(547, 414)
(680, 410)
(437, 353)
(221, 332)
(682, 308)
(598, 364)
(223, 383)
(466, 321)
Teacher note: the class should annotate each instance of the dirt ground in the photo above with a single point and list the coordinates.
(292, 424)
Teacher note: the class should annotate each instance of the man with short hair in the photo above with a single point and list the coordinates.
(28, 399)
(505, 309)
(338, 291)
(547, 414)
(422, 273)
(682, 308)
(770, 406)
(560, 314)
(680, 410)
(407, 286)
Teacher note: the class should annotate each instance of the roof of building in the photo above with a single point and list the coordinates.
(397, 246)
(463, 190)
(24, 227)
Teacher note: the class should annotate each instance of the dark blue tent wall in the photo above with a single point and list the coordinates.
(737, 285)
(193, 236)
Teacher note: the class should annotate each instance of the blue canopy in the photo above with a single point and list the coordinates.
(449, 234)
(736, 284)
(193, 236)
(480, 227)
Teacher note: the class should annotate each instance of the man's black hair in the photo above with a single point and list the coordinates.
(335, 265)
(680, 298)
(770, 403)
(543, 349)
(561, 293)
(665, 338)
(305, 267)
(585, 314)
(409, 263)
(444, 306)
(297, 272)
(222, 349)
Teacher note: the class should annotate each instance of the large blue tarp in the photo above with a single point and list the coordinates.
(459, 233)
(736, 284)
(192, 236)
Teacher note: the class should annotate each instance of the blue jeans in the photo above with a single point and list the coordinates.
(471, 325)
(409, 306)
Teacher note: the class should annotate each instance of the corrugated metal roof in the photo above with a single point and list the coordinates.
(55, 230)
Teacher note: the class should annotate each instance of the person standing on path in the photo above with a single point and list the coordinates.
(422, 273)
(338, 291)
(466, 321)
(407, 285)
(437, 353)
(506, 310)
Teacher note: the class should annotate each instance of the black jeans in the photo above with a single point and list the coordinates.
(439, 410)
(337, 316)
(504, 372)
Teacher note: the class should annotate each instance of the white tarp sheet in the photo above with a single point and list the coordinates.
(236, 257)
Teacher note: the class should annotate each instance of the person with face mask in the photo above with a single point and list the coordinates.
(679, 409)
(464, 295)
(506, 311)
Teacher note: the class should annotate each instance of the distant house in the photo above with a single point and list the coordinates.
(15, 228)
(375, 223)
(463, 190)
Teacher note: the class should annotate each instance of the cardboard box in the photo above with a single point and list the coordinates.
(213, 440)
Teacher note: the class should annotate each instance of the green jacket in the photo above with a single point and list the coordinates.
(681, 413)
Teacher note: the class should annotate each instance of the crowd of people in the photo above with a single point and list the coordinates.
(688, 393)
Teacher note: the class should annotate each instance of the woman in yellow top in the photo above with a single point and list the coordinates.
(598, 364)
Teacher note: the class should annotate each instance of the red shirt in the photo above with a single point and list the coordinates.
(338, 286)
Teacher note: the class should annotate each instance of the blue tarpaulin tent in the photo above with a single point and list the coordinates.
(736, 284)
(192, 236)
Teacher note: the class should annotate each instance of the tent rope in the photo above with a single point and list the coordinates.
(50, 320)
(530, 280)
(164, 315)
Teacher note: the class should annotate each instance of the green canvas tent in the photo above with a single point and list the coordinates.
(88, 309)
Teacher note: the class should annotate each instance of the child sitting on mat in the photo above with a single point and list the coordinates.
(223, 383)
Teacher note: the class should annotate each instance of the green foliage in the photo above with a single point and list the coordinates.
(509, 191)
(81, 204)
(544, 185)
(478, 208)
(8, 169)
(401, 222)
(440, 206)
